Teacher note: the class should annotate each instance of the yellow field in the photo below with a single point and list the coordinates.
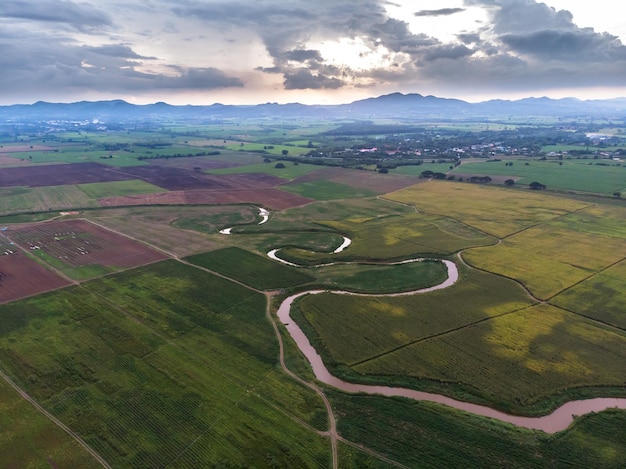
(518, 358)
(602, 297)
(552, 257)
(398, 236)
(497, 211)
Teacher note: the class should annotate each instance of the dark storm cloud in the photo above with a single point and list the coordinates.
(576, 46)
(527, 44)
(447, 51)
(302, 55)
(59, 65)
(78, 15)
(303, 79)
(284, 28)
(440, 12)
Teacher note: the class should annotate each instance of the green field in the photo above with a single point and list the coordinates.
(326, 190)
(376, 326)
(428, 436)
(42, 199)
(258, 272)
(30, 439)
(99, 190)
(600, 176)
(601, 296)
(164, 365)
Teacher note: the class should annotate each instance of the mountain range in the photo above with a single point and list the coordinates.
(395, 105)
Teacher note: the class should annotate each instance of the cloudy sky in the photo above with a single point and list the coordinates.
(308, 51)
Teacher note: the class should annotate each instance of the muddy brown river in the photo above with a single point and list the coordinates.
(557, 421)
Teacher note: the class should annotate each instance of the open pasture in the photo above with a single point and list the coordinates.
(164, 365)
(158, 225)
(380, 278)
(326, 190)
(351, 330)
(601, 297)
(515, 360)
(43, 199)
(397, 237)
(587, 176)
(494, 210)
(259, 272)
(556, 255)
(73, 245)
(369, 181)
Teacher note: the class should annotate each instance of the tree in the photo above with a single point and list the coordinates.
(509, 182)
(536, 185)
(285, 152)
(279, 165)
(617, 194)
(383, 170)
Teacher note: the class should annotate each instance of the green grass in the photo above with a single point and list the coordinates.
(430, 436)
(326, 190)
(577, 175)
(373, 278)
(29, 439)
(258, 272)
(163, 365)
(602, 297)
(42, 199)
(99, 190)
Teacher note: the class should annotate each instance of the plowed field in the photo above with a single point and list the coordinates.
(78, 243)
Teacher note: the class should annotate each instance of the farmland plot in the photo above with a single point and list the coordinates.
(554, 256)
(515, 360)
(163, 365)
(75, 245)
(497, 211)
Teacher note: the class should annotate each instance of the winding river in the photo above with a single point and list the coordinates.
(558, 420)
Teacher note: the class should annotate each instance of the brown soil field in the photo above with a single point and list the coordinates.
(21, 148)
(60, 174)
(21, 277)
(10, 161)
(192, 162)
(79, 243)
(177, 179)
(370, 180)
(268, 197)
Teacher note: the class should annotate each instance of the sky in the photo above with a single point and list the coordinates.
(308, 51)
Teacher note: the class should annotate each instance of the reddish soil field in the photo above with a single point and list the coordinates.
(60, 174)
(79, 243)
(370, 180)
(192, 162)
(177, 179)
(270, 198)
(21, 277)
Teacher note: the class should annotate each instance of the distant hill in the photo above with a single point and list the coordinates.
(395, 105)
